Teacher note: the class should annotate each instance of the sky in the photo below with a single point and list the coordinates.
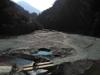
(39, 4)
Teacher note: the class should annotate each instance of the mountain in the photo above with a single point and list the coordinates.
(73, 16)
(28, 7)
(14, 20)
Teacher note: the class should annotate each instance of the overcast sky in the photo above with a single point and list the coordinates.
(39, 4)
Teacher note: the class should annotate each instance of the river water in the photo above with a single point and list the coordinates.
(84, 47)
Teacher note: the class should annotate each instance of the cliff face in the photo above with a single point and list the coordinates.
(14, 20)
(73, 16)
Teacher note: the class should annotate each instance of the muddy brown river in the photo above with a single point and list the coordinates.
(85, 47)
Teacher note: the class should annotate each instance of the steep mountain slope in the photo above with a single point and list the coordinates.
(14, 20)
(73, 16)
(28, 7)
